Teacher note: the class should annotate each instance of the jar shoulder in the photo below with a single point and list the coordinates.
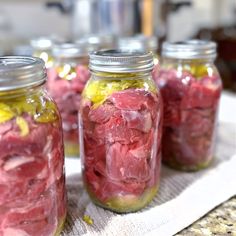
(98, 89)
(187, 73)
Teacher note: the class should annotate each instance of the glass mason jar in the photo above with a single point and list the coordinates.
(98, 41)
(190, 86)
(141, 43)
(66, 82)
(120, 131)
(42, 48)
(32, 181)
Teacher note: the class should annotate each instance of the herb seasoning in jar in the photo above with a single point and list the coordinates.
(66, 82)
(190, 86)
(120, 130)
(32, 181)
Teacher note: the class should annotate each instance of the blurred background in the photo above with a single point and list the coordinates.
(72, 20)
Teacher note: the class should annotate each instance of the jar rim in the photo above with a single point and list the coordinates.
(189, 49)
(21, 72)
(121, 61)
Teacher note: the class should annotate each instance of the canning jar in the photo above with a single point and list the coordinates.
(190, 86)
(120, 131)
(98, 41)
(42, 48)
(32, 181)
(66, 81)
(141, 43)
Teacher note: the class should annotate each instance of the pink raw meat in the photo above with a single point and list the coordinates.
(5, 127)
(143, 148)
(202, 119)
(123, 166)
(116, 130)
(13, 142)
(172, 113)
(83, 73)
(132, 99)
(31, 175)
(201, 96)
(94, 153)
(110, 188)
(105, 189)
(138, 120)
(102, 114)
(30, 213)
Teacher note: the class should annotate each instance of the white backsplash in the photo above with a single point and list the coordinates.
(24, 19)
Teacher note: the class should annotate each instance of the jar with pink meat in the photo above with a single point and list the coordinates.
(120, 131)
(190, 86)
(67, 78)
(32, 180)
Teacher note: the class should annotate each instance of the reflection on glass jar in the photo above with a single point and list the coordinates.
(190, 85)
(32, 181)
(120, 131)
(66, 82)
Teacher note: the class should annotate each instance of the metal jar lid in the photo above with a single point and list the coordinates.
(138, 43)
(70, 50)
(190, 49)
(118, 61)
(20, 72)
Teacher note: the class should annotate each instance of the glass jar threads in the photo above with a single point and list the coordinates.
(190, 86)
(67, 79)
(32, 181)
(120, 131)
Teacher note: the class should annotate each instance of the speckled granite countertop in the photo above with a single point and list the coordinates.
(220, 222)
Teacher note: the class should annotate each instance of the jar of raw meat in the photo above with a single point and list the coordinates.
(140, 43)
(190, 86)
(66, 82)
(42, 48)
(32, 181)
(98, 41)
(120, 131)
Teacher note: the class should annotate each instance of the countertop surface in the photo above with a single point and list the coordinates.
(220, 222)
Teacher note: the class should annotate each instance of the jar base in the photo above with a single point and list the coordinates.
(126, 204)
(60, 226)
(188, 168)
(71, 149)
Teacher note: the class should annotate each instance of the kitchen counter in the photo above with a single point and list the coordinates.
(220, 222)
